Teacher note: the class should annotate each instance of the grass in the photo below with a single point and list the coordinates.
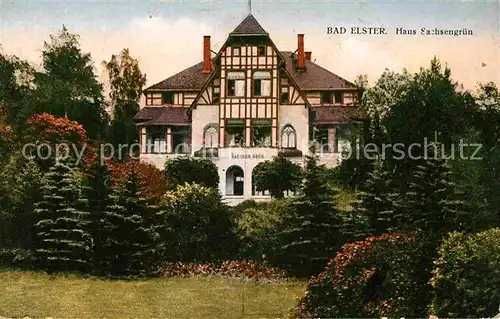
(36, 294)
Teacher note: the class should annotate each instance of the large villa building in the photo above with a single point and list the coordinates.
(245, 104)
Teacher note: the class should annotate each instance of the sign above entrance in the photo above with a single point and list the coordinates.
(247, 155)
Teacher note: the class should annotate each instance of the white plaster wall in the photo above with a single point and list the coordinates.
(298, 117)
(202, 116)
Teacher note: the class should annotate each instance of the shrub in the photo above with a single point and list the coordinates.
(466, 277)
(369, 278)
(198, 224)
(181, 170)
(22, 258)
(257, 228)
(277, 176)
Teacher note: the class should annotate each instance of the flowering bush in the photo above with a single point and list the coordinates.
(369, 278)
(243, 269)
(152, 179)
(49, 128)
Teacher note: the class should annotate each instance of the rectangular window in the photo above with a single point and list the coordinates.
(257, 87)
(339, 98)
(235, 133)
(325, 143)
(168, 98)
(156, 142)
(236, 84)
(181, 140)
(262, 83)
(284, 95)
(345, 136)
(216, 95)
(326, 97)
(261, 50)
(261, 132)
(236, 51)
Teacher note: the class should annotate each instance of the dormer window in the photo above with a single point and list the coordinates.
(168, 98)
(326, 97)
(339, 98)
(236, 51)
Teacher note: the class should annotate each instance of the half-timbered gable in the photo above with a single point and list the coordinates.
(247, 103)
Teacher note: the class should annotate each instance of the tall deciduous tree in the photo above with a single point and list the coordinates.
(68, 85)
(126, 82)
(16, 77)
(277, 176)
(487, 123)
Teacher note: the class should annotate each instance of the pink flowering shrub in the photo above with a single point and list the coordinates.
(350, 285)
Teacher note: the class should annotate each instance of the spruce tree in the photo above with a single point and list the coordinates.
(26, 193)
(63, 244)
(311, 234)
(432, 202)
(97, 193)
(378, 201)
(132, 240)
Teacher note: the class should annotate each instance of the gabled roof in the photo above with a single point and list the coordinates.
(163, 116)
(249, 26)
(190, 79)
(315, 77)
(336, 114)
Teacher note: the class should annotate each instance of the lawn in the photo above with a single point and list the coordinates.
(36, 295)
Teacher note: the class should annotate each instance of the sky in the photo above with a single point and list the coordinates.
(166, 35)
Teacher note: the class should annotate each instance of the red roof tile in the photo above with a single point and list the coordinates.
(336, 114)
(163, 116)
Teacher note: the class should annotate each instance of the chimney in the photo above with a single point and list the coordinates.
(207, 56)
(300, 52)
(308, 55)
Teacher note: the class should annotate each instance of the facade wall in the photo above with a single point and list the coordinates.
(201, 117)
(298, 117)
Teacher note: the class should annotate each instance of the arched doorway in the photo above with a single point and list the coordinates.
(234, 181)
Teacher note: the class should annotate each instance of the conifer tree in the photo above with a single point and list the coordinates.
(314, 188)
(378, 201)
(26, 193)
(132, 241)
(63, 244)
(432, 202)
(312, 231)
(97, 193)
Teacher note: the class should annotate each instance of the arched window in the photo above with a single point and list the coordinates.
(211, 136)
(234, 181)
(288, 137)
